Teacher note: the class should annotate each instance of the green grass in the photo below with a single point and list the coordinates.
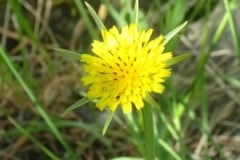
(37, 83)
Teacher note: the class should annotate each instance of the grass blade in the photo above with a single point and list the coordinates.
(107, 122)
(154, 104)
(32, 97)
(115, 14)
(95, 17)
(170, 35)
(136, 11)
(232, 27)
(68, 53)
(169, 149)
(149, 132)
(177, 59)
(78, 104)
(41, 146)
(86, 20)
(23, 23)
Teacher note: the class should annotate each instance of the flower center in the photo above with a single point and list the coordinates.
(125, 76)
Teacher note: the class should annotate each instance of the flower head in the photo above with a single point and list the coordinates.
(126, 67)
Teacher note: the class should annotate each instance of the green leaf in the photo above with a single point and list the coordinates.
(149, 132)
(68, 53)
(152, 102)
(232, 81)
(116, 15)
(78, 104)
(232, 24)
(84, 15)
(95, 17)
(170, 35)
(136, 11)
(178, 59)
(36, 102)
(107, 122)
(168, 148)
(45, 150)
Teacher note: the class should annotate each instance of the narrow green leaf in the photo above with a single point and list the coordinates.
(86, 19)
(95, 17)
(107, 122)
(21, 19)
(169, 149)
(78, 104)
(120, 20)
(68, 53)
(136, 11)
(45, 150)
(91, 128)
(178, 59)
(36, 103)
(232, 81)
(170, 35)
(149, 132)
(154, 104)
(232, 26)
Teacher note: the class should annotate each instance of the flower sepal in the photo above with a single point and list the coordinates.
(107, 122)
(76, 105)
(177, 59)
(68, 53)
(174, 32)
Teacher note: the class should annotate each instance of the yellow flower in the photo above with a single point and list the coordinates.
(126, 67)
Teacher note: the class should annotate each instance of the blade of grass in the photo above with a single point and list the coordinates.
(171, 34)
(176, 14)
(136, 132)
(32, 97)
(231, 80)
(114, 13)
(153, 103)
(24, 28)
(149, 132)
(24, 25)
(216, 37)
(107, 122)
(78, 104)
(95, 17)
(68, 53)
(200, 87)
(90, 128)
(232, 26)
(50, 154)
(169, 149)
(159, 5)
(195, 12)
(86, 20)
(136, 12)
(38, 126)
(178, 59)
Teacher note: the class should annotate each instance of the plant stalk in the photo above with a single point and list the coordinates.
(149, 132)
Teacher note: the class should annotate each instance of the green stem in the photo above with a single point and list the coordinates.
(149, 132)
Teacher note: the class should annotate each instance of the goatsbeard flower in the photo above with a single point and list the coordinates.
(125, 68)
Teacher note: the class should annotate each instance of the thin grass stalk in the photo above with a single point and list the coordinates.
(149, 132)
(35, 101)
